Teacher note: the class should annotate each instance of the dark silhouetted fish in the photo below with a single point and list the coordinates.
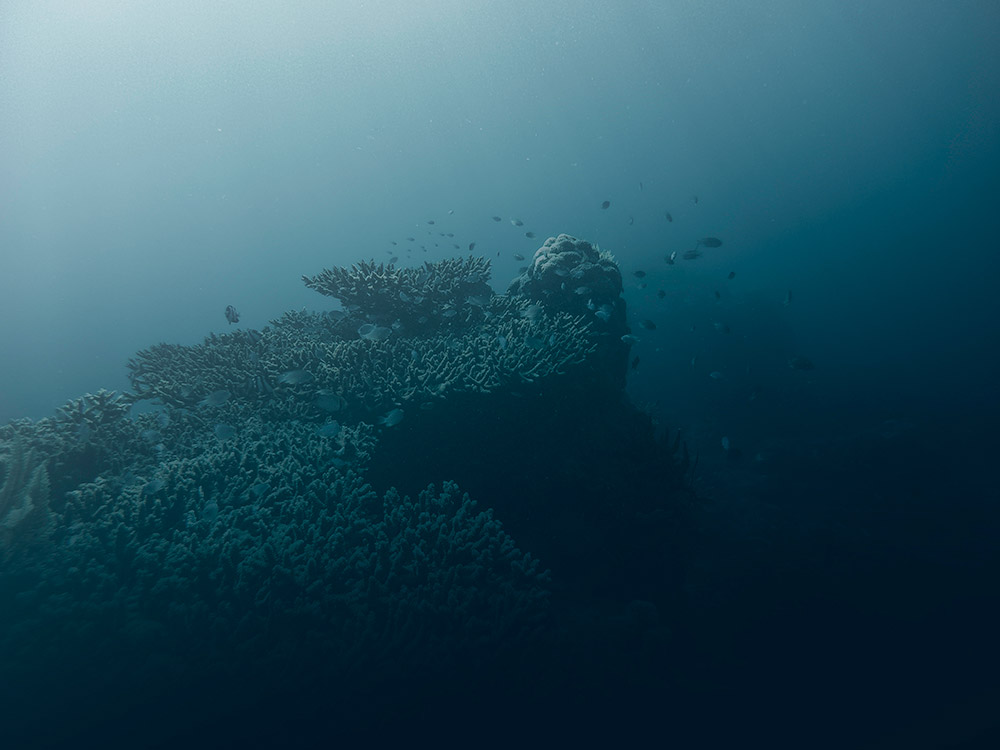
(669, 217)
(606, 205)
(517, 222)
(635, 362)
(732, 275)
(709, 242)
(640, 185)
(694, 198)
(661, 294)
(472, 246)
(692, 254)
(717, 294)
(530, 235)
(430, 221)
(497, 218)
(231, 315)
(648, 325)
(639, 274)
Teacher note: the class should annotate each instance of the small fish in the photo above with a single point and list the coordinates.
(635, 363)
(532, 312)
(330, 429)
(517, 222)
(604, 315)
(472, 246)
(591, 305)
(411, 239)
(732, 275)
(717, 294)
(801, 363)
(648, 325)
(582, 290)
(643, 285)
(404, 297)
(295, 377)
(669, 217)
(640, 186)
(631, 221)
(392, 419)
(692, 254)
(709, 242)
(393, 259)
(606, 205)
(530, 235)
(231, 315)
(430, 221)
(372, 332)
(451, 211)
(639, 274)
(695, 199)
(716, 375)
(497, 218)
(788, 298)
(661, 294)
(629, 339)
(671, 258)
(224, 431)
(328, 400)
(518, 256)
(215, 398)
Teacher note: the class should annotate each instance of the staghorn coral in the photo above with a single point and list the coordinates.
(450, 292)
(507, 347)
(24, 497)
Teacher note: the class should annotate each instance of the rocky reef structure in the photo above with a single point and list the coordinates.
(263, 507)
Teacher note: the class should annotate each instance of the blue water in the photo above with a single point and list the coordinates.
(161, 161)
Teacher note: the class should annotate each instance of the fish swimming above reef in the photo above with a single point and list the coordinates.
(709, 242)
(732, 275)
(671, 258)
(518, 256)
(801, 363)
(648, 325)
(328, 400)
(661, 294)
(639, 274)
(629, 339)
(692, 254)
(330, 429)
(517, 222)
(391, 419)
(295, 377)
(530, 235)
(215, 398)
(231, 315)
(606, 205)
(497, 218)
(668, 216)
(224, 431)
(373, 332)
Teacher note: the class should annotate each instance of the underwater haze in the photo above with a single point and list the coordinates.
(801, 202)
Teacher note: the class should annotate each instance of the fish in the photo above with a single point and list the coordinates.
(692, 254)
(330, 429)
(629, 339)
(517, 222)
(497, 218)
(716, 375)
(372, 332)
(224, 431)
(788, 298)
(631, 221)
(393, 259)
(604, 315)
(530, 235)
(695, 199)
(640, 185)
(639, 274)
(801, 363)
(231, 315)
(606, 205)
(391, 419)
(215, 398)
(671, 258)
(661, 294)
(725, 444)
(328, 400)
(430, 221)
(472, 246)
(295, 377)
(404, 297)
(717, 294)
(643, 285)
(411, 239)
(669, 217)
(582, 290)
(648, 325)
(709, 242)
(635, 362)
(732, 275)
(451, 211)
(532, 312)
(518, 256)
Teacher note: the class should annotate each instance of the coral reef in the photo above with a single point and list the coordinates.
(24, 497)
